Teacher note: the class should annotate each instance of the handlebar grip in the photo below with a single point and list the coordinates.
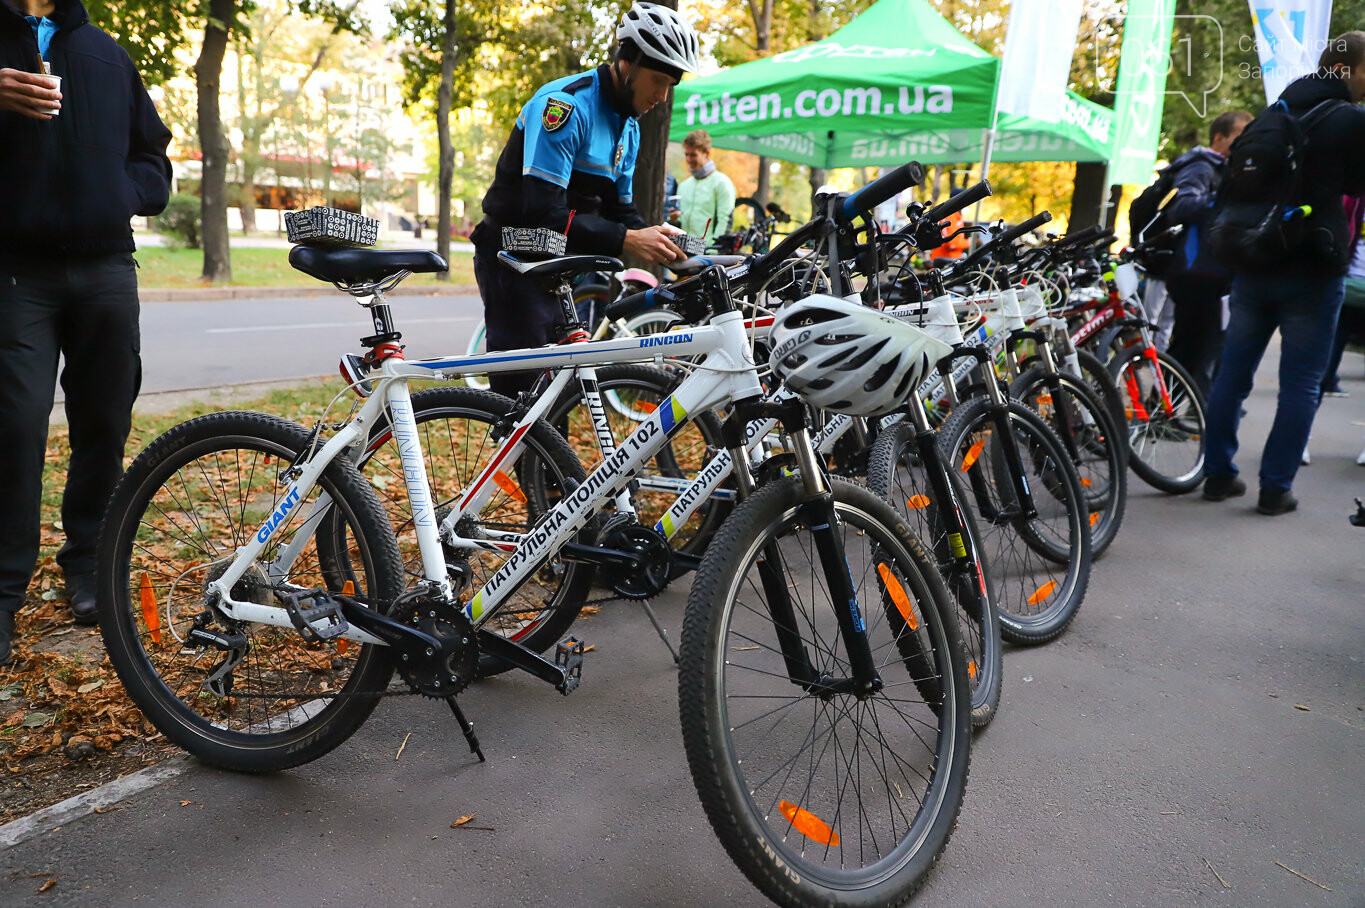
(1018, 230)
(969, 196)
(1084, 235)
(883, 188)
(627, 306)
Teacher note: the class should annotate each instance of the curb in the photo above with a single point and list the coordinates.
(49, 818)
(215, 294)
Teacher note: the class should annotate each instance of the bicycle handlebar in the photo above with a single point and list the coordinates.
(1004, 239)
(958, 202)
(884, 187)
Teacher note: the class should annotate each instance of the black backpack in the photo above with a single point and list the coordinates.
(1146, 218)
(1259, 217)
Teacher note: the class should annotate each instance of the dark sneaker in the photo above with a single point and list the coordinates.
(1276, 501)
(6, 638)
(1221, 486)
(83, 609)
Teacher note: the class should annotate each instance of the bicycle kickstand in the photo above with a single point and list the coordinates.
(468, 728)
(663, 634)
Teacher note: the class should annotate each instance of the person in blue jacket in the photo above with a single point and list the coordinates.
(1196, 283)
(569, 164)
(77, 164)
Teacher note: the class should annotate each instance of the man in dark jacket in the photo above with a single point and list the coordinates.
(77, 165)
(1197, 284)
(1301, 295)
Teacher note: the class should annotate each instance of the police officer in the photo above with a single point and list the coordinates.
(573, 149)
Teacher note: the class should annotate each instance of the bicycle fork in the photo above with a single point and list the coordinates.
(818, 510)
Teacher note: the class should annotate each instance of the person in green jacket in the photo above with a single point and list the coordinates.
(707, 197)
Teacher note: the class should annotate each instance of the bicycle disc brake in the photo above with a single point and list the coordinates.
(438, 672)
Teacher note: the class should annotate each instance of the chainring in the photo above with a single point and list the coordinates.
(448, 670)
(650, 547)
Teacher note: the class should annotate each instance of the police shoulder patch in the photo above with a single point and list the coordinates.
(556, 114)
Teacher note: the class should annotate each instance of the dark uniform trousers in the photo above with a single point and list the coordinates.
(516, 313)
(83, 308)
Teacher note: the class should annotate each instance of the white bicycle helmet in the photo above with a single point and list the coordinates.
(845, 357)
(662, 37)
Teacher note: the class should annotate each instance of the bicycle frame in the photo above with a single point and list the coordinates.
(726, 375)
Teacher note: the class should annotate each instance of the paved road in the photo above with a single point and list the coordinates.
(1161, 740)
(207, 344)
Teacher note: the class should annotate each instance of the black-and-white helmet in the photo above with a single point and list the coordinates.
(845, 357)
(662, 36)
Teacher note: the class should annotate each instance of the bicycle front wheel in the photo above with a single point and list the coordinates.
(1165, 413)
(247, 697)
(823, 798)
(897, 472)
(1039, 560)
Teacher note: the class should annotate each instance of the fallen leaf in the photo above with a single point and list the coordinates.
(48, 885)
(1302, 707)
(463, 820)
(186, 803)
(88, 686)
(33, 720)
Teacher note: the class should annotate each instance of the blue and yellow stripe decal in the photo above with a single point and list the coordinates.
(666, 525)
(474, 610)
(672, 415)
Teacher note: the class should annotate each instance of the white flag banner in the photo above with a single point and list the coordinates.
(1290, 36)
(1039, 44)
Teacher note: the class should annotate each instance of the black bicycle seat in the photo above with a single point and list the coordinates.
(697, 263)
(561, 266)
(362, 266)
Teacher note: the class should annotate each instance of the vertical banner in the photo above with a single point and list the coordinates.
(1144, 60)
(1039, 45)
(1290, 36)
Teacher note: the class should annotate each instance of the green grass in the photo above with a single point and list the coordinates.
(175, 269)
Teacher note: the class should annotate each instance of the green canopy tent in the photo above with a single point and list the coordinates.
(895, 84)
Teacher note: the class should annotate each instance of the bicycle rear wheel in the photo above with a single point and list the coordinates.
(896, 472)
(1096, 444)
(1038, 565)
(260, 698)
(1165, 412)
(824, 798)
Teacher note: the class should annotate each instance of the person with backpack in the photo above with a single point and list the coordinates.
(1280, 225)
(1196, 282)
(1185, 286)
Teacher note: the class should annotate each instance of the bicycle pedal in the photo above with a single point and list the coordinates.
(569, 657)
(303, 617)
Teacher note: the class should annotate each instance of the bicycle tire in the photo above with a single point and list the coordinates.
(453, 459)
(779, 847)
(896, 473)
(1097, 376)
(191, 482)
(641, 388)
(1043, 561)
(1152, 441)
(1099, 446)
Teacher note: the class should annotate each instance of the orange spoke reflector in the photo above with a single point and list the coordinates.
(893, 586)
(918, 501)
(971, 670)
(808, 824)
(1044, 398)
(347, 589)
(1086, 482)
(646, 406)
(508, 485)
(1047, 589)
(149, 612)
(1094, 518)
(972, 454)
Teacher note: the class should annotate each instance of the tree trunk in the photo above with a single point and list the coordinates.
(1090, 203)
(763, 29)
(447, 169)
(251, 143)
(762, 189)
(208, 74)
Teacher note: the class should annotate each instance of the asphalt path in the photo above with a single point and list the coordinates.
(1197, 734)
(209, 344)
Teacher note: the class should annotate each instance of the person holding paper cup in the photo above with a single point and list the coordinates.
(82, 151)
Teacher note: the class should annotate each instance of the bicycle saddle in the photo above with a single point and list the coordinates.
(563, 265)
(694, 265)
(362, 266)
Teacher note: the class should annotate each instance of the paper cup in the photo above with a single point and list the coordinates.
(57, 84)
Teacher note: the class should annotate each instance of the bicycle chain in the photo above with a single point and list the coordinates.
(341, 695)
